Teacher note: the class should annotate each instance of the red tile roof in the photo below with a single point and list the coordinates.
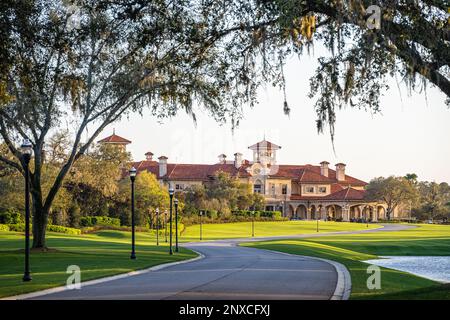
(347, 194)
(115, 139)
(300, 173)
(264, 145)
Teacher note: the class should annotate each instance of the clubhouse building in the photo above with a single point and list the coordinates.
(298, 191)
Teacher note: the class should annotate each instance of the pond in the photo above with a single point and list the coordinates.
(435, 268)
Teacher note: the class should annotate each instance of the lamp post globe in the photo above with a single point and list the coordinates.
(176, 224)
(132, 173)
(27, 151)
(171, 192)
(253, 223)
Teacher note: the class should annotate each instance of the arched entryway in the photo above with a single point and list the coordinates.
(355, 213)
(333, 212)
(381, 212)
(300, 212)
(290, 211)
(314, 212)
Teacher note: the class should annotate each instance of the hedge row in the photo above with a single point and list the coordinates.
(191, 220)
(20, 227)
(4, 227)
(127, 228)
(90, 221)
(276, 215)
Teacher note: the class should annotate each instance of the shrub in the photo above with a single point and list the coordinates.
(213, 214)
(117, 228)
(275, 215)
(4, 227)
(90, 221)
(61, 229)
(18, 227)
(11, 217)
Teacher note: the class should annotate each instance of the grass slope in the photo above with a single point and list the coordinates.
(104, 253)
(267, 228)
(350, 250)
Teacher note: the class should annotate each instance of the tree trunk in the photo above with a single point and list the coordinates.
(40, 220)
(388, 213)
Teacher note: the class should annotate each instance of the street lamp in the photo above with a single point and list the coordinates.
(157, 226)
(176, 225)
(165, 224)
(253, 223)
(27, 151)
(132, 178)
(282, 208)
(170, 219)
(201, 231)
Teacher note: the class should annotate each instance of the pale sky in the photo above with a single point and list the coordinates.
(411, 135)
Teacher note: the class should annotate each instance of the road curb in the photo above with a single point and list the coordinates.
(102, 280)
(344, 280)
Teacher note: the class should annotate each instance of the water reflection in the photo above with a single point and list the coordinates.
(431, 267)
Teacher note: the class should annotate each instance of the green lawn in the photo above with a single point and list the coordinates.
(350, 250)
(267, 228)
(104, 253)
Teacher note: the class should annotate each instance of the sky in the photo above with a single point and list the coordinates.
(411, 135)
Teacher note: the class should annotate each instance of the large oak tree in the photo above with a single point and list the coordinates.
(121, 56)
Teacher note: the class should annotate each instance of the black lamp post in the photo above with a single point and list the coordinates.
(253, 223)
(132, 178)
(201, 231)
(27, 150)
(157, 226)
(165, 224)
(176, 224)
(170, 219)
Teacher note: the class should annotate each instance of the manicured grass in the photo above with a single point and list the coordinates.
(101, 254)
(267, 228)
(350, 250)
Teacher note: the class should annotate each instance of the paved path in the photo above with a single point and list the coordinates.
(227, 271)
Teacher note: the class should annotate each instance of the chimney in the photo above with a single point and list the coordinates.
(222, 158)
(149, 156)
(324, 168)
(237, 160)
(340, 171)
(162, 166)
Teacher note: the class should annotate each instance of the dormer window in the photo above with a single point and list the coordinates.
(309, 189)
(257, 187)
(322, 189)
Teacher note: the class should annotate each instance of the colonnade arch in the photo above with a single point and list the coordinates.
(339, 211)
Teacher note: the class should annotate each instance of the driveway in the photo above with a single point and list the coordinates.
(227, 271)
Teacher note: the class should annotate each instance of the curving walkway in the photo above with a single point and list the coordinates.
(228, 271)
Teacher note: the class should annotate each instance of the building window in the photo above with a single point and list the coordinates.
(284, 189)
(272, 189)
(178, 187)
(257, 188)
(322, 189)
(308, 189)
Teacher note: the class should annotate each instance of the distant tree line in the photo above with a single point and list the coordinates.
(423, 200)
